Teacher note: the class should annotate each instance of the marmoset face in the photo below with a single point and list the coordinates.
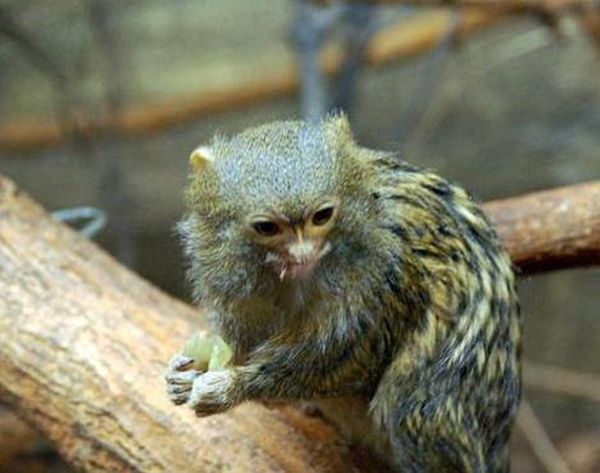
(281, 199)
(295, 242)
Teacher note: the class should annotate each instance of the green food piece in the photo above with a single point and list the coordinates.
(210, 352)
(221, 354)
(198, 348)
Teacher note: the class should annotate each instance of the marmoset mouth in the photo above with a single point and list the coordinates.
(296, 270)
(304, 267)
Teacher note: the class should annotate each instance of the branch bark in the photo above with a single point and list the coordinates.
(84, 342)
(83, 347)
(551, 229)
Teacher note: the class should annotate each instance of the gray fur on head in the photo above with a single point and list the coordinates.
(285, 167)
(286, 164)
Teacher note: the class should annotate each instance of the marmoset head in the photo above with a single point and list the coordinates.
(275, 201)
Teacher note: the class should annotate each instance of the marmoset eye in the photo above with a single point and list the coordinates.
(322, 216)
(265, 228)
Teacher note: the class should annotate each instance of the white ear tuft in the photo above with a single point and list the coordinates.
(201, 157)
(339, 126)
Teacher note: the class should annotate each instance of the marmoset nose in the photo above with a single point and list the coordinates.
(300, 249)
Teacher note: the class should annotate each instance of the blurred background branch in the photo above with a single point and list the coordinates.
(513, 6)
(366, 43)
(46, 63)
(408, 37)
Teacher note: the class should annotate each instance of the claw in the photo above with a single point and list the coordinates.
(178, 401)
(178, 389)
(183, 377)
(180, 362)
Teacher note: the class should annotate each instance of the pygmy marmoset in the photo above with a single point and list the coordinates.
(345, 276)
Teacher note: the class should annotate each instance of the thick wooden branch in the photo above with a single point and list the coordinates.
(83, 347)
(84, 342)
(551, 229)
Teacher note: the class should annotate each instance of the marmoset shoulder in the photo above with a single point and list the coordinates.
(344, 276)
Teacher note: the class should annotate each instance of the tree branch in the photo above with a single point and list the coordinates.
(84, 343)
(514, 6)
(551, 229)
(547, 11)
(539, 440)
(585, 386)
(83, 347)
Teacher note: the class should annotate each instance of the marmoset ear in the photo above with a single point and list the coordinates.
(201, 158)
(339, 126)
